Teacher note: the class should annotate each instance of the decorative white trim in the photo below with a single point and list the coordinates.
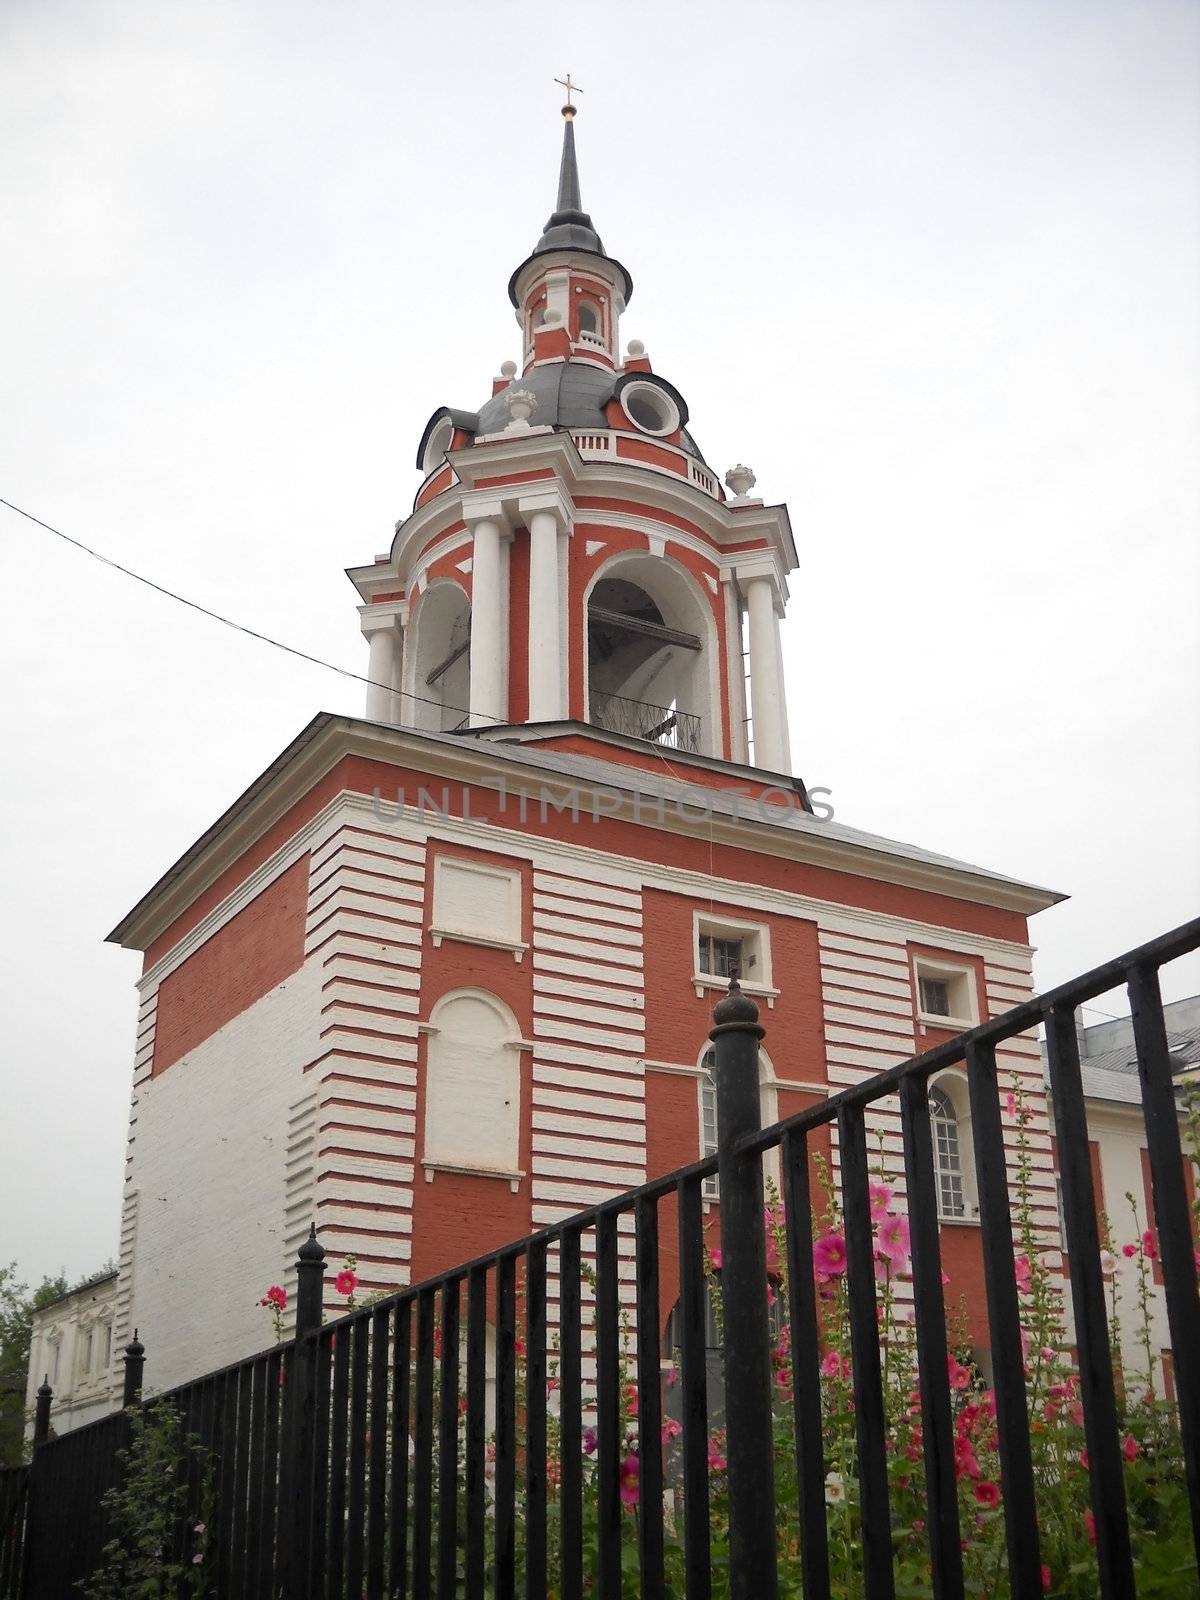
(513, 1178)
(704, 980)
(438, 934)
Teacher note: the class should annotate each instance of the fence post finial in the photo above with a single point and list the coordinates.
(750, 1446)
(310, 1283)
(41, 1415)
(135, 1366)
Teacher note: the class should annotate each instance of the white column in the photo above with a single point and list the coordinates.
(735, 671)
(382, 663)
(766, 686)
(545, 670)
(486, 614)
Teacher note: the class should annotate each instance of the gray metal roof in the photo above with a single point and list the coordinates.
(570, 394)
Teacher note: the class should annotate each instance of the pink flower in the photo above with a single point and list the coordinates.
(716, 1461)
(629, 1481)
(1022, 1270)
(945, 1280)
(1047, 1576)
(1084, 1462)
(987, 1494)
(345, 1282)
(1129, 1447)
(275, 1296)
(1010, 1104)
(717, 1258)
(589, 1441)
(829, 1255)
(832, 1365)
(631, 1399)
(892, 1240)
(1089, 1522)
(1149, 1246)
(670, 1430)
(960, 1376)
(880, 1196)
(1129, 1250)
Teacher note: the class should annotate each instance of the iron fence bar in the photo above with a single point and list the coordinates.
(1004, 1320)
(1114, 1552)
(870, 1423)
(241, 1482)
(570, 1411)
(338, 1427)
(447, 1562)
(267, 1563)
(937, 1437)
(505, 1482)
(608, 1411)
(255, 1473)
(377, 1501)
(1171, 1216)
(226, 1478)
(806, 1369)
(535, 1419)
(398, 1450)
(753, 1564)
(357, 1498)
(423, 1449)
(477, 1287)
(693, 1379)
(322, 1425)
(649, 1391)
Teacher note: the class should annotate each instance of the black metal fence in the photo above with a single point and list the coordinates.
(504, 1429)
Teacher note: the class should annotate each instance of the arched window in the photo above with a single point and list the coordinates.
(472, 1085)
(768, 1106)
(589, 319)
(947, 1153)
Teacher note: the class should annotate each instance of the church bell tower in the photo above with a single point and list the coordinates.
(571, 560)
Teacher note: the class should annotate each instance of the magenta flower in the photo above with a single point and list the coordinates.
(345, 1282)
(629, 1481)
(880, 1196)
(892, 1241)
(987, 1494)
(1023, 1272)
(829, 1255)
(832, 1365)
(589, 1441)
(1149, 1247)
(1130, 1447)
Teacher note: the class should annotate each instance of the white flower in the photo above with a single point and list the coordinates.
(835, 1489)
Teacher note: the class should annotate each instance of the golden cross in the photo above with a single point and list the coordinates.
(571, 88)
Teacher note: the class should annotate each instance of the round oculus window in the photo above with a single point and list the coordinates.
(649, 408)
(439, 443)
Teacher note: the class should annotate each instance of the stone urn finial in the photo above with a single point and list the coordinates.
(521, 403)
(741, 480)
(508, 369)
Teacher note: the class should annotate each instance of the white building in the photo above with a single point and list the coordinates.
(71, 1349)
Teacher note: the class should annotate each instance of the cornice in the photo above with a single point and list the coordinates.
(328, 738)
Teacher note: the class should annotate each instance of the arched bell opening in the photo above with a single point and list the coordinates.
(438, 686)
(651, 649)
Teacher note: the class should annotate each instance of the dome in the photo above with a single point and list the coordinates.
(570, 394)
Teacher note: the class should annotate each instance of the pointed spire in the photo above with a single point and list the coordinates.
(569, 226)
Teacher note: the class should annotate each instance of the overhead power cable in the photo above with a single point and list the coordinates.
(216, 616)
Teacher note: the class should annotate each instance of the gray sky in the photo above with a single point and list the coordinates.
(930, 269)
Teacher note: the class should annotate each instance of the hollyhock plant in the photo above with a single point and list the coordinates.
(829, 1255)
(629, 1479)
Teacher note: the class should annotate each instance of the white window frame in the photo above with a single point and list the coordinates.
(442, 928)
(439, 443)
(954, 1086)
(661, 399)
(722, 927)
(960, 981)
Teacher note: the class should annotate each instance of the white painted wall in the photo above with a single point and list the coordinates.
(211, 1147)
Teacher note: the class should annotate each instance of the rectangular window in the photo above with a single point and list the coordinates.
(722, 945)
(719, 957)
(945, 993)
(935, 997)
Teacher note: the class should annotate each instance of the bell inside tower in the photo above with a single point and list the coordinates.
(643, 670)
